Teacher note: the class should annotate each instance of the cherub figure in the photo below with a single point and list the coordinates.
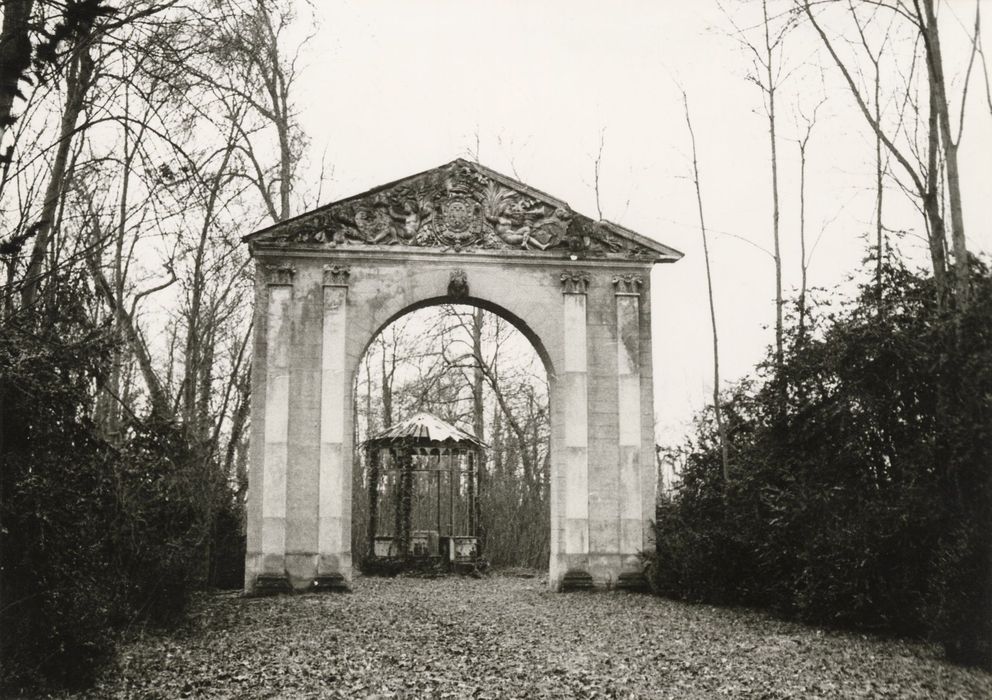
(409, 217)
(530, 228)
(510, 229)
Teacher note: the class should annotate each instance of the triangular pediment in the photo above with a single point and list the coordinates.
(460, 207)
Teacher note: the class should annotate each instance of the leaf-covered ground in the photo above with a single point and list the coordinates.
(510, 637)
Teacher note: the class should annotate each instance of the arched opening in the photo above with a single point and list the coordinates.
(475, 367)
(328, 281)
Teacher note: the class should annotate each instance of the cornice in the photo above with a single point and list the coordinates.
(371, 256)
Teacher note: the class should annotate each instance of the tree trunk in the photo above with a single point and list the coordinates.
(277, 86)
(157, 395)
(801, 334)
(803, 262)
(779, 349)
(717, 412)
(935, 68)
(926, 184)
(77, 84)
(478, 423)
(239, 419)
(199, 354)
(931, 207)
(879, 191)
(15, 59)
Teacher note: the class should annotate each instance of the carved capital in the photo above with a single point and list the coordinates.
(458, 284)
(627, 285)
(278, 274)
(336, 275)
(574, 282)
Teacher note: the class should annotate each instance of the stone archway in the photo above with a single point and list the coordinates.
(328, 280)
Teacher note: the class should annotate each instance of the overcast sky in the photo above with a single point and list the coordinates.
(393, 88)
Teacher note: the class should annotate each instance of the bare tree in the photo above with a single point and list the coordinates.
(941, 147)
(717, 412)
(935, 68)
(78, 80)
(31, 36)
(769, 86)
(68, 42)
(15, 59)
(803, 144)
(248, 62)
(874, 57)
(978, 49)
(766, 73)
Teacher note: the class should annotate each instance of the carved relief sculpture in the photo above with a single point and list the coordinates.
(458, 284)
(459, 206)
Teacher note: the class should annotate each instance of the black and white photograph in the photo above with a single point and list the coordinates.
(495, 349)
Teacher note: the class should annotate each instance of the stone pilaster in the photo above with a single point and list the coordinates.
(574, 554)
(627, 290)
(334, 491)
(279, 284)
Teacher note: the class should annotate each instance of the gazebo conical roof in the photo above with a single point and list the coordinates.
(425, 430)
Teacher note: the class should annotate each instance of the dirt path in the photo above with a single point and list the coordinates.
(510, 637)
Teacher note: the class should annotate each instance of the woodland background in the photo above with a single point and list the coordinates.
(844, 481)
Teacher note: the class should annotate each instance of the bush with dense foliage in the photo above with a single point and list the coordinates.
(94, 535)
(860, 491)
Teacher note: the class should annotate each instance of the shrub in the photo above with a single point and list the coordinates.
(93, 536)
(862, 498)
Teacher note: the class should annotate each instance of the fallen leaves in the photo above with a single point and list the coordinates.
(502, 637)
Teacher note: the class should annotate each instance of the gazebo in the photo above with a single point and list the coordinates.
(423, 486)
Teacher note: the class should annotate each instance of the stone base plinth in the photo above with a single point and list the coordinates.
(574, 580)
(331, 582)
(271, 584)
(633, 581)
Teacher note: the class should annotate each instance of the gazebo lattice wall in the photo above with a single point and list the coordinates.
(410, 462)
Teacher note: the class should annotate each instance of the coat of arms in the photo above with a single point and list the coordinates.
(460, 220)
(374, 224)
